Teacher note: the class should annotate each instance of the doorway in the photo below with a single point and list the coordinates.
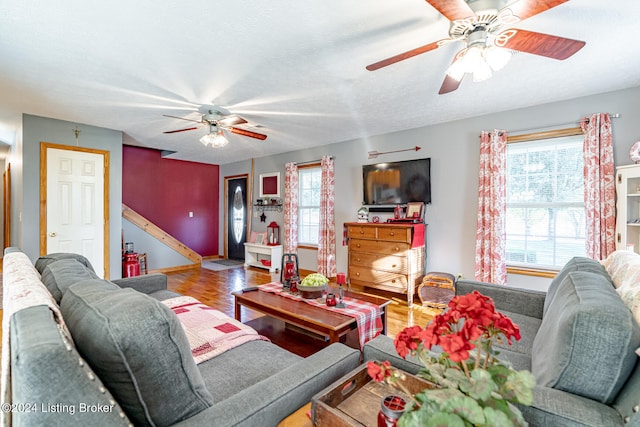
(74, 207)
(237, 216)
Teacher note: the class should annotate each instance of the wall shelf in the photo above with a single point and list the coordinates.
(269, 207)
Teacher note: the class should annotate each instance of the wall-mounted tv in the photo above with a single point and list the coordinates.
(397, 182)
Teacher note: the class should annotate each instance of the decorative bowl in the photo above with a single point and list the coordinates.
(312, 292)
(266, 262)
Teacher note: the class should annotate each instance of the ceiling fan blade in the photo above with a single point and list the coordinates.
(526, 9)
(452, 9)
(182, 118)
(247, 133)
(232, 121)
(180, 130)
(449, 85)
(403, 56)
(538, 44)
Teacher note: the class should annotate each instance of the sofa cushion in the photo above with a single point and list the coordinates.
(586, 341)
(574, 264)
(43, 261)
(140, 351)
(58, 275)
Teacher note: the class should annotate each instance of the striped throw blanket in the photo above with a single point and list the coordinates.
(210, 332)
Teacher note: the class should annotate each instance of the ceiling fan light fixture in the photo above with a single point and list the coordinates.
(496, 57)
(457, 69)
(215, 138)
(482, 72)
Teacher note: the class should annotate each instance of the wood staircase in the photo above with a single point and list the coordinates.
(155, 231)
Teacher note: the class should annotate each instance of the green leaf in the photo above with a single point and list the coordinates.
(439, 419)
(495, 418)
(466, 408)
(519, 387)
(500, 373)
(481, 385)
(441, 395)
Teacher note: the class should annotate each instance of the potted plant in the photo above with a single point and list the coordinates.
(472, 385)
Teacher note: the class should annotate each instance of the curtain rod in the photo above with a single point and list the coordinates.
(311, 161)
(613, 116)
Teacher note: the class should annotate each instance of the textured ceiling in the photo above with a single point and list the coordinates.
(294, 69)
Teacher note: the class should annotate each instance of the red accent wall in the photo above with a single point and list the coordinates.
(165, 191)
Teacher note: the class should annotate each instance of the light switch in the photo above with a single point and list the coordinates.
(190, 214)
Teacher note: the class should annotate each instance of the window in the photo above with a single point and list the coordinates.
(309, 179)
(545, 223)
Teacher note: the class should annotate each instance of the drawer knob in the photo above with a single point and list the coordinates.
(357, 245)
(394, 266)
(358, 259)
(358, 274)
(397, 249)
(361, 231)
(392, 234)
(393, 281)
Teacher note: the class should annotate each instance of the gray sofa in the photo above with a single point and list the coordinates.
(579, 341)
(85, 351)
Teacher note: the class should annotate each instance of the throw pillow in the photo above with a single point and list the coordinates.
(140, 351)
(624, 269)
(58, 275)
(586, 341)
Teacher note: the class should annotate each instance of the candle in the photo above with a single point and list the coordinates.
(341, 278)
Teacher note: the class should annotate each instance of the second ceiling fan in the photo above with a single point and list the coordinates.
(218, 121)
(485, 27)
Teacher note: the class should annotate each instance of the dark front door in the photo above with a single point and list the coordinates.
(236, 217)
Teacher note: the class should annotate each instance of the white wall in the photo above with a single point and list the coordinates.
(454, 151)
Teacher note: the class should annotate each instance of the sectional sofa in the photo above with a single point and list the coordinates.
(579, 339)
(79, 350)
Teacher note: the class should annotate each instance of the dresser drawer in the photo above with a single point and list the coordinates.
(396, 264)
(377, 247)
(394, 234)
(361, 232)
(377, 279)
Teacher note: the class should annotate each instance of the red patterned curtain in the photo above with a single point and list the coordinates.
(327, 233)
(491, 265)
(599, 186)
(291, 209)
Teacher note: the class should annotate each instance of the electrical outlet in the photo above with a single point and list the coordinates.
(459, 276)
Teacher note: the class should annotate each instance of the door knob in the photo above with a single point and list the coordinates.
(53, 234)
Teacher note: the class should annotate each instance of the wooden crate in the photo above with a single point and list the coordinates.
(354, 400)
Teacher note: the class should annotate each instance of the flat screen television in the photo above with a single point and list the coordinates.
(397, 182)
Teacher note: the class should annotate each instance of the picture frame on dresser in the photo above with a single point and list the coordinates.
(414, 209)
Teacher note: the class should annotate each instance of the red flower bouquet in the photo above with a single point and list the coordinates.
(472, 386)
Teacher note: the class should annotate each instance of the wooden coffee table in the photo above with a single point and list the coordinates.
(305, 316)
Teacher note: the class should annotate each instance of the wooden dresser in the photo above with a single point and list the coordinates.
(386, 256)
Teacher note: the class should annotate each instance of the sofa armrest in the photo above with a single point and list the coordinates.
(515, 300)
(147, 283)
(269, 401)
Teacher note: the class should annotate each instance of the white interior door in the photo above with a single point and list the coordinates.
(75, 204)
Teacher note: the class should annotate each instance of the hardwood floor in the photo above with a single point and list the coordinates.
(214, 289)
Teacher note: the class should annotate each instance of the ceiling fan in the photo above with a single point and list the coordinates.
(218, 120)
(485, 28)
